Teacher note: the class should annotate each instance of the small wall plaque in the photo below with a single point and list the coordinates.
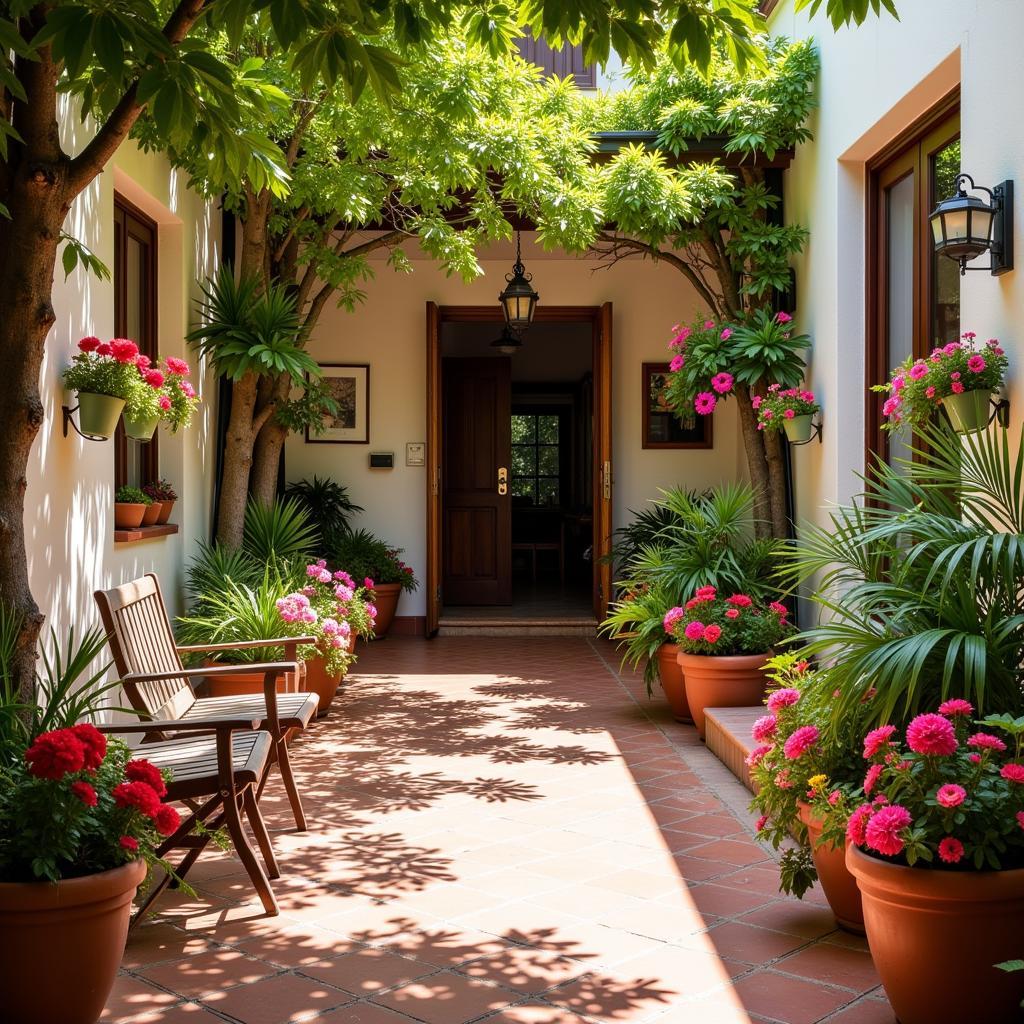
(382, 460)
(415, 453)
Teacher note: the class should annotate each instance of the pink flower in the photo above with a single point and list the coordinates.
(709, 325)
(722, 382)
(871, 779)
(877, 740)
(726, 334)
(890, 406)
(789, 414)
(950, 795)
(986, 741)
(969, 335)
(764, 728)
(950, 850)
(740, 600)
(929, 392)
(756, 756)
(756, 401)
(732, 613)
(154, 378)
(956, 706)
(694, 630)
(834, 797)
(955, 375)
(712, 633)
(123, 350)
(677, 363)
(186, 389)
(802, 740)
(931, 735)
(779, 608)
(782, 779)
(784, 698)
(705, 403)
(767, 414)
(761, 822)
(884, 827)
(857, 823)
(177, 366)
(143, 362)
(918, 370)
(783, 318)
(957, 387)
(89, 344)
(898, 384)
(164, 402)
(707, 593)
(974, 758)
(976, 364)
(1012, 772)
(672, 616)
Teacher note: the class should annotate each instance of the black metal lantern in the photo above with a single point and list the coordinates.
(518, 300)
(964, 226)
(508, 343)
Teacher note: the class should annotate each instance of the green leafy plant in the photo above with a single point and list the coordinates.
(710, 624)
(363, 555)
(327, 503)
(132, 496)
(281, 531)
(778, 405)
(160, 490)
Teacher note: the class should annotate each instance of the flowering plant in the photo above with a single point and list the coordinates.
(366, 556)
(949, 795)
(709, 624)
(160, 490)
(178, 400)
(778, 405)
(800, 746)
(76, 804)
(104, 368)
(334, 609)
(917, 387)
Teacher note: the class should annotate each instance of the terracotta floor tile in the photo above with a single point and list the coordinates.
(534, 1013)
(730, 851)
(208, 971)
(278, 1000)
(182, 1013)
(751, 944)
(131, 998)
(447, 998)
(789, 1000)
(834, 965)
(865, 1011)
(153, 943)
(298, 945)
(793, 917)
(367, 971)
(525, 970)
(724, 901)
(363, 1013)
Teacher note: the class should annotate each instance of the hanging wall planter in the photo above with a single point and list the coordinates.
(970, 411)
(798, 429)
(140, 429)
(98, 414)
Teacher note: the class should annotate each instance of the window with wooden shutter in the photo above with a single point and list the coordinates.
(566, 60)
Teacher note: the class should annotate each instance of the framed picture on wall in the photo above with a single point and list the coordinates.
(662, 428)
(349, 386)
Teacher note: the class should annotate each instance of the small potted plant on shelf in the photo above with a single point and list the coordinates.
(791, 410)
(161, 491)
(385, 576)
(937, 848)
(104, 376)
(724, 647)
(959, 378)
(131, 506)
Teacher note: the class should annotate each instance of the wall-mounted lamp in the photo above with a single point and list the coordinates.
(964, 226)
(518, 300)
(508, 343)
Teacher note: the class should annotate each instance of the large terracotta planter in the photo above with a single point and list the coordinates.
(729, 681)
(385, 597)
(128, 515)
(319, 681)
(242, 683)
(61, 945)
(671, 676)
(165, 512)
(98, 414)
(968, 411)
(838, 885)
(936, 935)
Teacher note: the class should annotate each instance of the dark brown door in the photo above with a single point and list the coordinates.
(603, 460)
(477, 445)
(433, 466)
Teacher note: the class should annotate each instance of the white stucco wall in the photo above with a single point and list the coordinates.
(69, 518)
(876, 81)
(388, 332)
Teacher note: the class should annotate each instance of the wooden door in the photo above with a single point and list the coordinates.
(433, 467)
(476, 426)
(603, 475)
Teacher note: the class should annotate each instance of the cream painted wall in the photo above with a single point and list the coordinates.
(68, 508)
(388, 332)
(877, 80)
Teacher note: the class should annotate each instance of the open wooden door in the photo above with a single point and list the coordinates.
(433, 467)
(602, 460)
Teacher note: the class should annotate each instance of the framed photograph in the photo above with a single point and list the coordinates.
(349, 385)
(662, 428)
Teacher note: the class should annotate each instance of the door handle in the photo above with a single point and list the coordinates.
(502, 480)
(606, 481)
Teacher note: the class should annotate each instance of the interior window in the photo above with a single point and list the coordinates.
(536, 463)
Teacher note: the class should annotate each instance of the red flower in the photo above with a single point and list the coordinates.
(986, 741)
(871, 779)
(712, 633)
(95, 744)
(123, 350)
(154, 378)
(857, 823)
(1012, 772)
(85, 793)
(89, 344)
(950, 850)
(139, 795)
(732, 613)
(128, 843)
(739, 600)
(167, 820)
(144, 771)
(779, 609)
(104, 349)
(177, 366)
(55, 754)
(367, 583)
(143, 362)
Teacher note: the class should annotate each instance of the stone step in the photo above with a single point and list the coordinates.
(517, 627)
(728, 737)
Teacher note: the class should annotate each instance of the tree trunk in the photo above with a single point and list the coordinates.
(757, 463)
(234, 486)
(776, 483)
(266, 461)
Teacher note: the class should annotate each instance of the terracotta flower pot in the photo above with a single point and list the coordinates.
(61, 945)
(140, 429)
(152, 514)
(385, 597)
(128, 515)
(727, 681)
(671, 676)
(165, 512)
(98, 414)
(838, 885)
(242, 683)
(798, 429)
(936, 935)
(320, 682)
(968, 411)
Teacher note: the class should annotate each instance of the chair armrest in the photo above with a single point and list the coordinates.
(241, 645)
(277, 667)
(188, 725)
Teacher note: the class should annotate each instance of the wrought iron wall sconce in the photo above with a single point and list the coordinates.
(816, 432)
(67, 411)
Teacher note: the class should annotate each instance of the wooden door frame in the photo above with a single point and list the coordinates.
(600, 317)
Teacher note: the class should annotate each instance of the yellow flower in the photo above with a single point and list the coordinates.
(817, 782)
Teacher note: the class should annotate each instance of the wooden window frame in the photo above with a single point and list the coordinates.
(566, 60)
(562, 413)
(909, 154)
(131, 222)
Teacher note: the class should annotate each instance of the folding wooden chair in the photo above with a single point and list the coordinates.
(157, 685)
(215, 769)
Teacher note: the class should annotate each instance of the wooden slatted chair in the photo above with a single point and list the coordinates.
(158, 685)
(216, 767)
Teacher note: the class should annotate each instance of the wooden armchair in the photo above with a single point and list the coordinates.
(216, 767)
(158, 686)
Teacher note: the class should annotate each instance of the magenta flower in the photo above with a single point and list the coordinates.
(1012, 772)
(956, 706)
(878, 739)
(177, 366)
(726, 334)
(890, 406)
(678, 362)
(784, 698)
(976, 364)
(783, 318)
(756, 756)
(950, 850)
(857, 823)
(884, 827)
(709, 325)
(764, 728)
(931, 735)
(986, 741)
(705, 403)
(712, 633)
(756, 401)
(740, 600)
(694, 630)
(918, 370)
(761, 822)
(950, 795)
(802, 740)
(672, 616)
(722, 382)
(789, 414)
(871, 779)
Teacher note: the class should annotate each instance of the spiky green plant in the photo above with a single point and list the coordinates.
(328, 504)
(280, 531)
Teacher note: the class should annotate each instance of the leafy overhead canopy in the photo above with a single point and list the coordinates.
(848, 12)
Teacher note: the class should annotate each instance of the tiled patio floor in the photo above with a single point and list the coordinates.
(503, 830)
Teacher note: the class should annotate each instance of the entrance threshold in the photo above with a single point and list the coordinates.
(506, 622)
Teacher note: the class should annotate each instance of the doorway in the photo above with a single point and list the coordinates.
(519, 469)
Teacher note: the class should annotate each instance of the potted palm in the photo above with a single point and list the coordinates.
(327, 504)
(379, 566)
(104, 376)
(131, 506)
